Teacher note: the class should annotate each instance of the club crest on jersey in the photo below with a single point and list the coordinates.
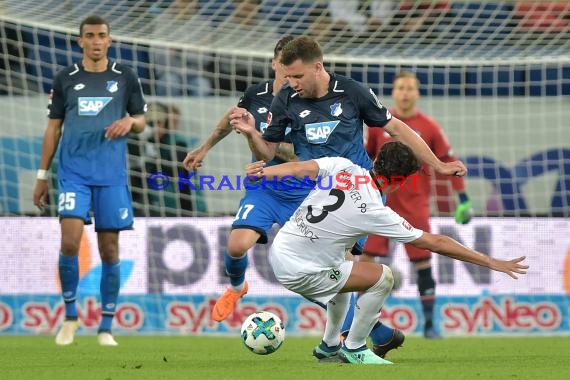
(262, 127)
(336, 109)
(112, 86)
(318, 133)
(91, 106)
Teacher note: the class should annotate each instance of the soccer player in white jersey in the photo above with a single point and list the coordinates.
(323, 115)
(308, 253)
(99, 102)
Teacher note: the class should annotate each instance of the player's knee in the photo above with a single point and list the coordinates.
(69, 246)
(384, 284)
(109, 252)
(237, 248)
(388, 276)
(241, 241)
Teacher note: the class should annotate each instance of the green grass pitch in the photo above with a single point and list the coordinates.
(219, 358)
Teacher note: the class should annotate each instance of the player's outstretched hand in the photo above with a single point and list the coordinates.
(194, 159)
(455, 168)
(509, 267)
(40, 194)
(242, 121)
(255, 169)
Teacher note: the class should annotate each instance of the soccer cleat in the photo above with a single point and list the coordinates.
(326, 353)
(396, 341)
(362, 355)
(106, 339)
(431, 333)
(226, 304)
(66, 333)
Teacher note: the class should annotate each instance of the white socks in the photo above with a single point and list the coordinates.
(336, 313)
(367, 310)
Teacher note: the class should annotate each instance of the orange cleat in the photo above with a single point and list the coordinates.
(226, 304)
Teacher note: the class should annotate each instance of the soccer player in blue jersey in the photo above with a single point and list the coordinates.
(324, 113)
(260, 208)
(98, 102)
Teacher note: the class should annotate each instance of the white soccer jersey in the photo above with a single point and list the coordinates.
(333, 217)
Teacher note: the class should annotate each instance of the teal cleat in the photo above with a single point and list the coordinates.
(362, 355)
(326, 353)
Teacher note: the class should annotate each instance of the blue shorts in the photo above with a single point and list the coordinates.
(111, 205)
(260, 209)
(358, 247)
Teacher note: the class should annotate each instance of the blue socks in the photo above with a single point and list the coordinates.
(69, 279)
(349, 314)
(380, 334)
(235, 268)
(110, 285)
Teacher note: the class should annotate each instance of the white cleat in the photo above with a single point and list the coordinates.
(66, 333)
(106, 339)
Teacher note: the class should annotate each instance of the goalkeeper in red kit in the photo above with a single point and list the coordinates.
(412, 202)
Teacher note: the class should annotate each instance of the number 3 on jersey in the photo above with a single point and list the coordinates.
(244, 211)
(66, 201)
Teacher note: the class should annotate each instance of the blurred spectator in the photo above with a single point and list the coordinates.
(322, 27)
(179, 72)
(13, 77)
(544, 16)
(159, 150)
(236, 74)
(361, 17)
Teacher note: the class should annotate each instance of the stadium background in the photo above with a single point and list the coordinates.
(496, 75)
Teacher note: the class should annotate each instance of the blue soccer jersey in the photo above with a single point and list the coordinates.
(88, 102)
(257, 100)
(266, 203)
(330, 126)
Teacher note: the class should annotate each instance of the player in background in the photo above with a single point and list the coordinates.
(98, 102)
(325, 113)
(413, 202)
(308, 253)
(259, 209)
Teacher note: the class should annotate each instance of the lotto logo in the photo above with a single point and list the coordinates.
(91, 106)
(318, 133)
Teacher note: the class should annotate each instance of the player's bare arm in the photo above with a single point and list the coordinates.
(449, 247)
(297, 169)
(49, 147)
(195, 158)
(122, 127)
(286, 152)
(402, 132)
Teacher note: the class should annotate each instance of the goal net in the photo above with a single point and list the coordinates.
(494, 74)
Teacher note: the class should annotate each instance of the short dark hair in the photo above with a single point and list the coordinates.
(93, 20)
(395, 159)
(304, 48)
(281, 44)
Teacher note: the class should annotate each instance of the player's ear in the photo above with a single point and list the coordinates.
(80, 42)
(319, 66)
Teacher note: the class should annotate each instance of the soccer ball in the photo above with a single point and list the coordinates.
(263, 332)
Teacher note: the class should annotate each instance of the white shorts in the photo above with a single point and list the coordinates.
(318, 287)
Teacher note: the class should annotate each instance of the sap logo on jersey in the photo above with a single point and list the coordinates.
(91, 106)
(318, 133)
